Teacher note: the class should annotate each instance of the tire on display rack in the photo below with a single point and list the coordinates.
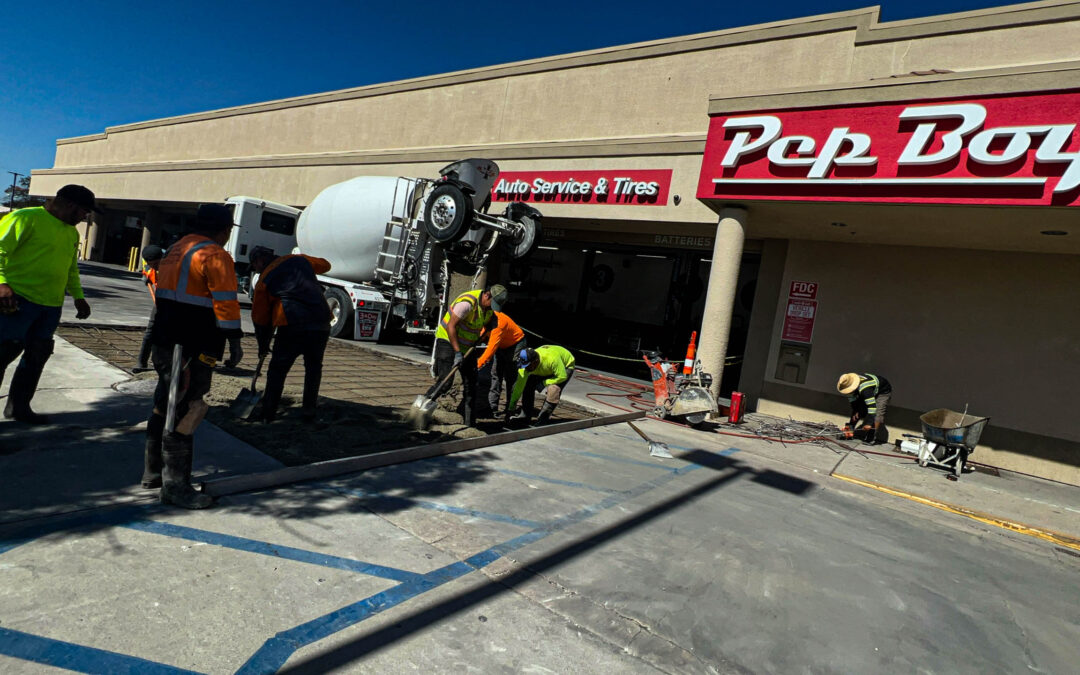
(341, 312)
(448, 213)
(529, 218)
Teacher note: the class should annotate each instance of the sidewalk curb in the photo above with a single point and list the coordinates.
(1020, 528)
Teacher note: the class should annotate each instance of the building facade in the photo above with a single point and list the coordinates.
(791, 190)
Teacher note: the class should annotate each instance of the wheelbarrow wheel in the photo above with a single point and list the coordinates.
(961, 460)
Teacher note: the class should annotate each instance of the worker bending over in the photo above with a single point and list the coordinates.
(547, 366)
(869, 398)
(289, 298)
(459, 330)
(505, 342)
(197, 309)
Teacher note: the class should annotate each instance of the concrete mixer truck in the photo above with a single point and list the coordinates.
(393, 242)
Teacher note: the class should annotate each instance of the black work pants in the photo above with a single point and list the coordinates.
(144, 350)
(196, 376)
(289, 344)
(504, 373)
(444, 362)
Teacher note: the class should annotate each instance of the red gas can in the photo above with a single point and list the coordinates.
(736, 411)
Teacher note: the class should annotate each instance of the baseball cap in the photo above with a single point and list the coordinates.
(498, 296)
(213, 218)
(525, 357)
(79, 196)
(151, 253)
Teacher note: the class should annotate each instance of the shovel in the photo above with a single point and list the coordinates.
(656, 448)
(247, 399)
(423, 408)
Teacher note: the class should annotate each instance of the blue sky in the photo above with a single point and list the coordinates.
(75, 67)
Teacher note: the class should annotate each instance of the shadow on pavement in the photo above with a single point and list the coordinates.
(382, 638)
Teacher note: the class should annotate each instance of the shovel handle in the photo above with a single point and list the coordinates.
(639, 432)
(454, 369)
(258, 369)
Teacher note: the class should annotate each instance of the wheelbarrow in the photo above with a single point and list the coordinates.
(948, 438)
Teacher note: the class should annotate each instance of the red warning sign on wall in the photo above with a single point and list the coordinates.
(799, 320)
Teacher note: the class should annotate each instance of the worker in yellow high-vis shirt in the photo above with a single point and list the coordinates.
(38, 263)
(548, 367)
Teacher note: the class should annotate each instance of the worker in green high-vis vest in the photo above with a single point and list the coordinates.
(461, 327)
(38, 263)
(548, 368)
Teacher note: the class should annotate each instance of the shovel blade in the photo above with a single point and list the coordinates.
(659, 450)
(245, 403)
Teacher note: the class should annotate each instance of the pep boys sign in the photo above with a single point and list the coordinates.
(1005, 150)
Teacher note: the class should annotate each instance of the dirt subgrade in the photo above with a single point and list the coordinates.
(363, 404)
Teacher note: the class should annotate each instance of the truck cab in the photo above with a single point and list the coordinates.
(259, 223)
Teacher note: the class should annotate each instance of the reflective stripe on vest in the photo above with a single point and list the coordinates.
(468, 328)
(180, 294)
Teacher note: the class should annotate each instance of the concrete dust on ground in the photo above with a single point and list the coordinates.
(363, 408)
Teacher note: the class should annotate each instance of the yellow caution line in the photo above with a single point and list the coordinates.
(1048, 535)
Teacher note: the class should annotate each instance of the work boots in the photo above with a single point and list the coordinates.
(25, 381)
(155, 429)
(176, 451)
(545, 414)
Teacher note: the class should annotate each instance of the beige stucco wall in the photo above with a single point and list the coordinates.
(625, 103)
(980, 50)
(995, 331)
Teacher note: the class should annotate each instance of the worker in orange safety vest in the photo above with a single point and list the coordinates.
(504, 343)
(151, 256)
(289, 298)
(197, 309)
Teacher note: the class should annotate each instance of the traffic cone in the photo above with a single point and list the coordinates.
(691, 352)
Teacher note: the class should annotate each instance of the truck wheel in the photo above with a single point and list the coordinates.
(341, 312)
(529, 219)
(448, 213)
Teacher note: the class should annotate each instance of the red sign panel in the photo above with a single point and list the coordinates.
(369, 323)
(799, 320)
(803, 289)
(635, 187)
(1014, 150)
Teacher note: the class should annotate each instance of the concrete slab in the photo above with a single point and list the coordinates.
(92, 453)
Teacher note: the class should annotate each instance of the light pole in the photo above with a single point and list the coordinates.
(14, 179)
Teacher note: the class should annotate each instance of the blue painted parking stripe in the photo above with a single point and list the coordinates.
(14, 543)
(621, 460)
(276, 651)
(273, 550)
(78, 658)
(390, 500)
(557, 481)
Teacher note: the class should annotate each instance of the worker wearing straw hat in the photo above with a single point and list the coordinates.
(868, 395)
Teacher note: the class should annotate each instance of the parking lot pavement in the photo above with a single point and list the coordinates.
(575, 552)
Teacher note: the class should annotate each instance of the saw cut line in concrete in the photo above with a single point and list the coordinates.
(337, 467)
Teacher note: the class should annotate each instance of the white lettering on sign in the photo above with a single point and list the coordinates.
(842, 147)
(803, 289)
(539, 186)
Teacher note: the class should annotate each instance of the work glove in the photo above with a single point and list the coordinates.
(263, 335)
(236, 352)
(458, 358)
